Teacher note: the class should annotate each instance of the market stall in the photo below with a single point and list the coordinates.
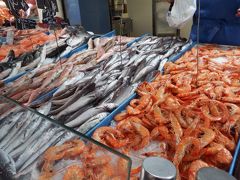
(79, 105)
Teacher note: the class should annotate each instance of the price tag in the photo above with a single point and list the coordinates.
(25, 23)
(10, 37)
(47, 4)
(48, 16)
(15, 5)
(49, 11)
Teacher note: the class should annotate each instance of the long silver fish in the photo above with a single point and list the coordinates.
(152, 66)
(39, 151)
(34, 148)
(89, 113)
(32, 140)
(18, 124)
(25, 135)
(18, 133)
(81, 102)
(92, 122)
(7, 124)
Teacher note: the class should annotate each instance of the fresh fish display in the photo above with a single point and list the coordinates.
(52, 50)
(112, 81)
(79, 91)
(38, 141)
(44, 79)
(86, 83)
(24, 137)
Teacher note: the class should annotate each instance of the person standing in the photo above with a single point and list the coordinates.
(219, 21)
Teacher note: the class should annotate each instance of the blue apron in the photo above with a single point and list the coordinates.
(218, 24)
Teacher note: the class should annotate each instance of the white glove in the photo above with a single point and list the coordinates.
(182, 11)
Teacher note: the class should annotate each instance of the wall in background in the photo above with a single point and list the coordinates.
(140, 11)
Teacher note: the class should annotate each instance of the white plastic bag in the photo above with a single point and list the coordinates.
(182, 11)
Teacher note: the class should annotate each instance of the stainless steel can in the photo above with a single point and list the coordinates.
(210, 173)
(156, 168)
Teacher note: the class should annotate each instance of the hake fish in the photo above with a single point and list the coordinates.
(90, 113)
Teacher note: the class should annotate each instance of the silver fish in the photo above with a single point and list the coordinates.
(32, 149)
(81, 102)
(69, 82)
(32, 140)
(72, 100)
(36, 151)
(32, 65)
(5, 74)
(152, 66)
(90, 113)
(25, 135)
(15, 70)
(112, 86)
(162, 64)
(21, 130)
(18, 124)
(92, 122)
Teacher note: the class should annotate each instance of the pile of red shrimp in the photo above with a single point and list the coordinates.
(194, 115)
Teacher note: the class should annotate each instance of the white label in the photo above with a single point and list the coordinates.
(10, 37)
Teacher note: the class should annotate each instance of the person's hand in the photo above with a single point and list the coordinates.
(238, 13)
